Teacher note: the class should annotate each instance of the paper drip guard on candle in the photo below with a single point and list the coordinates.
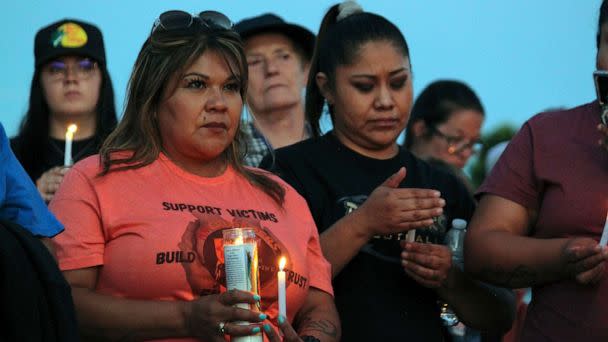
(604, 239)
(281, 284)
(69, 137)
(242, 271)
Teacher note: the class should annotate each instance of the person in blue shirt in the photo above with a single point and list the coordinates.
(20, 201)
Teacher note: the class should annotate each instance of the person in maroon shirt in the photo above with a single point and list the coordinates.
(541, 213)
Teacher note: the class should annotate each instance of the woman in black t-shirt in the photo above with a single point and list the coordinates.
(354, 181)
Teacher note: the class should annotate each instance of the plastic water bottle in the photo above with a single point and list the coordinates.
(454, 239)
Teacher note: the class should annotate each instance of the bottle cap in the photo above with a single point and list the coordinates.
(459, 223)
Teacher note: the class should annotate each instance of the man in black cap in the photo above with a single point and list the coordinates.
(278, 55)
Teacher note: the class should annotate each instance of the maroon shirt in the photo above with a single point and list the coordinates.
(555, 166)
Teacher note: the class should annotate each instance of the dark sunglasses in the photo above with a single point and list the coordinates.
(179, 20)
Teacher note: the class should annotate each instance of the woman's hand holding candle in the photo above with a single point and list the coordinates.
(204, 315)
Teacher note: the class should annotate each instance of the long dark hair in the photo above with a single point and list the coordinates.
(34, 131)
(438, 101)
(338, 43)
(164, 54)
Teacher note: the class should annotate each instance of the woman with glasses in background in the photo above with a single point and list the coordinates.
(146, 262)
(445, 124)
(71, 85)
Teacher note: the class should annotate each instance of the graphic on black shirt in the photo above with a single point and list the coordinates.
(386, 247)
(332, 178)
(206, 274)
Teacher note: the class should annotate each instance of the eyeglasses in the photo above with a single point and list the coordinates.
(458, 144)
(82, 70)
(179, 20)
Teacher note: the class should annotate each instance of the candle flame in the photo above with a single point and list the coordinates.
(282, 263)
(238, 240)
(69, 133)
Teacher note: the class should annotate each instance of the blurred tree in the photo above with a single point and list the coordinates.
(477, 170)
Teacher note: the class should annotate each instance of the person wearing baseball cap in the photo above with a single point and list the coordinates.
(278, 55)
(71, 85)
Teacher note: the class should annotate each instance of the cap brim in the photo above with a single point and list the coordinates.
(60, 53)
(298, 34)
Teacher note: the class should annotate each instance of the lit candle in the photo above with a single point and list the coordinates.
(604, 238)
(281, 278)
(69, 137)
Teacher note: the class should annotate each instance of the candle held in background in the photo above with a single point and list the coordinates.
(69, 137)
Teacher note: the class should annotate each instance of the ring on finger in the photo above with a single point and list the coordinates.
(221, 327)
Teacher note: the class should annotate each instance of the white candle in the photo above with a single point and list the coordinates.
(69, 137)
(604, 238)
(411, 235)
(281, 278)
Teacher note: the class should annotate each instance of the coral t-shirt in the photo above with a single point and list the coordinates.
(157, 233)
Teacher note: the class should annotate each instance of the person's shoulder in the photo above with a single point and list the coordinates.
(562, 116)
(92, 168)
(301, 153)
(261, 171)
(268, 174)
(289, 190)
(89, 166)
(308, 145)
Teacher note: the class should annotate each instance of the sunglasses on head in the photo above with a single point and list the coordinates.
(179, 20)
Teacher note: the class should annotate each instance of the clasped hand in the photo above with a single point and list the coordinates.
(584, 259)
(428, 264)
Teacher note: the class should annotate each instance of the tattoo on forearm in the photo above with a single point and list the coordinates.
(323, 326)
(521, 276)
(308, 324)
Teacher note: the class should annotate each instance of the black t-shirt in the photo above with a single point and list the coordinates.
(53, 154)
(376, 300)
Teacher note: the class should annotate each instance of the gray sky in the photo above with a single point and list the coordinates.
(520, 56)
